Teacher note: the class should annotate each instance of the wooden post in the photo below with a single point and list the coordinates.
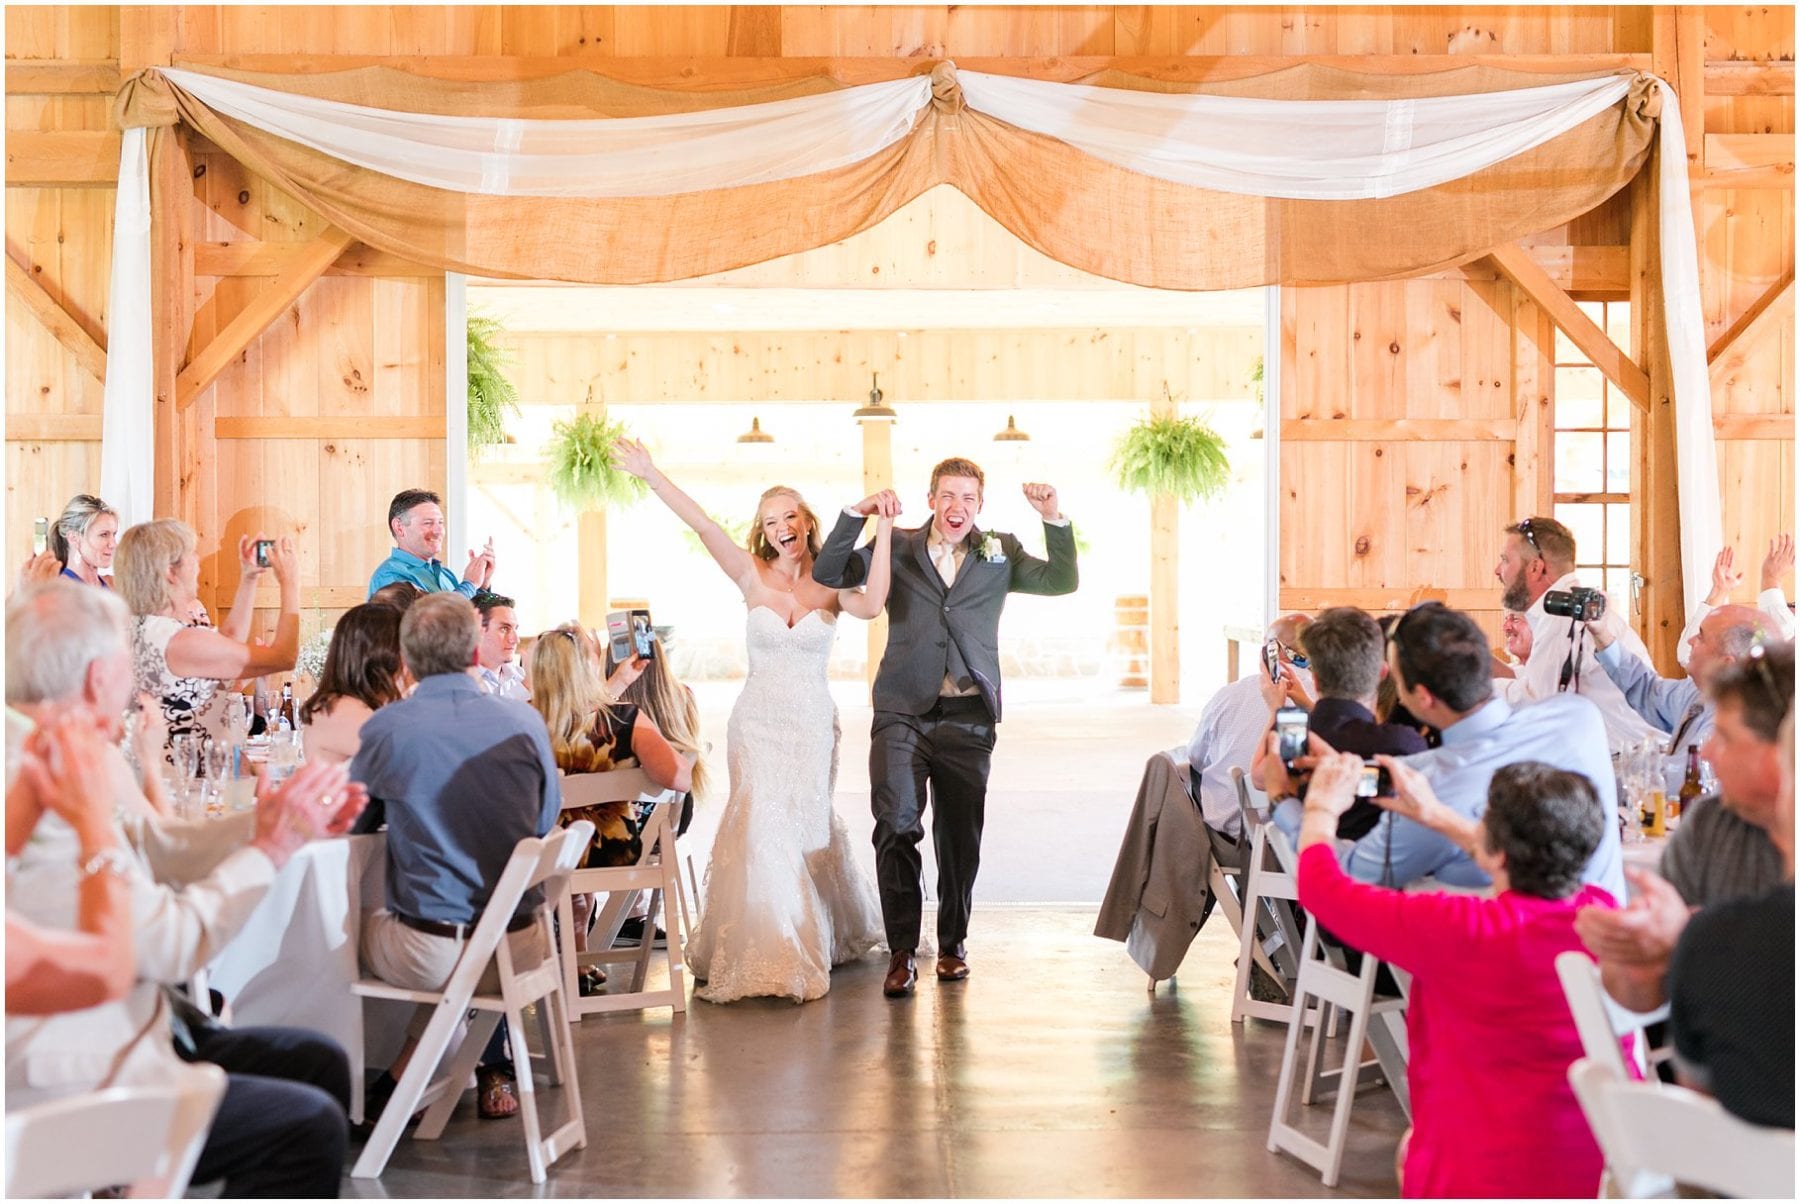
(590, 544)
(1165, 585)
(878, 473)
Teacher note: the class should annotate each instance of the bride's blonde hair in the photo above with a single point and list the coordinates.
(759, 544)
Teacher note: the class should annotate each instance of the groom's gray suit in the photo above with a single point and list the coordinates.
(920, 736)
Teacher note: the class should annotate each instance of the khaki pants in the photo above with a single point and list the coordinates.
(421, 961)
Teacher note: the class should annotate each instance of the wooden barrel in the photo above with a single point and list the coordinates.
(1132, 640)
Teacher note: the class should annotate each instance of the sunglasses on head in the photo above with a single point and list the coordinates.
(1524, 526)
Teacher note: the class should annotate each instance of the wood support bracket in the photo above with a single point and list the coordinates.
(69, 331)
(282, 292)
(1774, 310)
(1517, 265)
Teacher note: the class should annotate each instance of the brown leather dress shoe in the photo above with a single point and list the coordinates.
(901, 975)
(953, 964)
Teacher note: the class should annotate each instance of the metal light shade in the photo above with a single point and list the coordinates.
(1012, 434)
(756, 434)
(875, 409)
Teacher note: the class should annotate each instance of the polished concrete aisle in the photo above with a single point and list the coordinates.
(1051, 1072)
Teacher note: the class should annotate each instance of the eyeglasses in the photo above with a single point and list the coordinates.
(1524, 528)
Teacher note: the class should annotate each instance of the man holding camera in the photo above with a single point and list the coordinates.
(1537, 572)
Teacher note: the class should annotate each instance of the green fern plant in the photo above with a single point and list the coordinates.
(492, 395)
(582, 474)
(1183, 457)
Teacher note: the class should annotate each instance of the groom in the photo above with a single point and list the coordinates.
(937, 696)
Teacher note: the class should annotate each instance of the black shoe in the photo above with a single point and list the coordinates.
(631, 933)
(375, 1101)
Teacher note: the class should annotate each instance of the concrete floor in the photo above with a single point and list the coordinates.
(1051, 1072)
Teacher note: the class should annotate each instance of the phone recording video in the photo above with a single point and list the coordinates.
(629, 633)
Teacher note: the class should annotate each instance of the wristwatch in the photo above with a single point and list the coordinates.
(113, 860)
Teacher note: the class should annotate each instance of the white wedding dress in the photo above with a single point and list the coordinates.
(786, 898)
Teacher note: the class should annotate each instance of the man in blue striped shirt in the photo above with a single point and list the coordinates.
(416, 519)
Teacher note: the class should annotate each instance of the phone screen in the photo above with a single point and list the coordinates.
(1290, 733)
(1272, 660)
(40, 535)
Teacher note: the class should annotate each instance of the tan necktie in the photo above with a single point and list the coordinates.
(944, 557)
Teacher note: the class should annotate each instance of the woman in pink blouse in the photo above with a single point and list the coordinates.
(1490, 1033)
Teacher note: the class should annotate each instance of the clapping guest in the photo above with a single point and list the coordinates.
(158, 576)
(416, 521)
(1489, 1031)
(1779, 616)
(84, 539)
(363, 672)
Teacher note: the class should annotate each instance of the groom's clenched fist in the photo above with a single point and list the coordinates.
(1042, 499)
(884, 504)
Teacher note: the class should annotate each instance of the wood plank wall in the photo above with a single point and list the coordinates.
(286, 433)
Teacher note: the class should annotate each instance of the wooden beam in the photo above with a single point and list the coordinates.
(65, 159)
(1749, 161)
(272, 258)
(1377, 600)
(1655, 513)
(313, 597)
(1618, 367)
(147, 36)
(508, 472)
(69, 78)
(53, 428)
(1778, 177)
(1732, 78)
(244, 329)
(69, 332)
(1774, 310)
(1165, 583)
(349, 426)
(1689, 78)
(1739, 426)
(1380, 430)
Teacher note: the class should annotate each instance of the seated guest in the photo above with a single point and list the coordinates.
(1726, 847)
(496, 669)
(671, 706)
(1489, 1032)
(397, 594)
(1232, 725)
(1515, 631)
(158, 576)
(1387, 696)
(1731, 987)
(416, 521)
(1538, 556)
(84, 539)
(459, 778)
(1770, 600)
(1348, 656)
(57, 771)
(280, 1130)
(363, 672)
(1441, 662)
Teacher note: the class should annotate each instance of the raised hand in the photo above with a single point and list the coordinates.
(884, 503)
(1724, 578)
(633, 457)
(246, 550)
(69, 775)
(42, 567)
(1333, 785)
(487, 556)
(1413, 797)
(1644, 931)
(1042, 499)
(284, 560)
(1779, 562)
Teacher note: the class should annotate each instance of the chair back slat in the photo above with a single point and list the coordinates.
(613, 786)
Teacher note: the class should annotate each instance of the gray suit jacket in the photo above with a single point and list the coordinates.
(933, 631)
(1161, 884)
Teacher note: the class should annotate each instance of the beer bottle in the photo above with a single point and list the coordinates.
(287, 721)
(1690, 785)
(1654, 824)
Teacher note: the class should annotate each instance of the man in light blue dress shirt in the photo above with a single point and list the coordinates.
(416, 521)
(1440, 661)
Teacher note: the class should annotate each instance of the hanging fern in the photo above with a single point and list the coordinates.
(1183, 457)
(491, 395)
(582, 474)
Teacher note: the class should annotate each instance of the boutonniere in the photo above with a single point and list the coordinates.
(991, 550)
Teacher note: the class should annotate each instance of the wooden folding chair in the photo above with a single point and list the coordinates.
(547, 862)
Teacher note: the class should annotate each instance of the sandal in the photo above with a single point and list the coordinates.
(497, 1092)
(591, 980)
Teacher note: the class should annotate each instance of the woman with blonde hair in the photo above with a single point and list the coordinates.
(653, 687)
(786, 899)
(84, 539)
(157, 573)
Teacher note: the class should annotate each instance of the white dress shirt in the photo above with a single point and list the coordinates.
(508, 681)
(1234, 720)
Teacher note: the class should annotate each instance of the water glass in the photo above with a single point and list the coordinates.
(218, 760)
(187, 749)
(285, 755)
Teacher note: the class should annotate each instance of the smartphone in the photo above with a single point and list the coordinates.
(40, 536)
(629, 633)
(1272, 660)
(1374, 782)
(262, 552)
(1291, 732)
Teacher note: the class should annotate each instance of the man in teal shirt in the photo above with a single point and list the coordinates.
(416, 518)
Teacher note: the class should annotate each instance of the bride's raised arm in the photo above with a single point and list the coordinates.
(866, 602)
(634, 458)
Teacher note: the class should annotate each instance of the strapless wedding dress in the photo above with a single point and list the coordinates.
(786, 897)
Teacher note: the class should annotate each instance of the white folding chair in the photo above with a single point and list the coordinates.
(1602, 1022)
(1654, 1135)
(147, 1138)
(657, 871)
(547, 862)
(1268, 932)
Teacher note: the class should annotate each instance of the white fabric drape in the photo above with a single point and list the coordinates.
(1309, 150)
(603, 157)
(128, 407)
(1312, 150)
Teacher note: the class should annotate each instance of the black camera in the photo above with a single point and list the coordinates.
(1582, 605)
(1374, 781)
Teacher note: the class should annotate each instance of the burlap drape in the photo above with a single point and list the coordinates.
(1072, 207)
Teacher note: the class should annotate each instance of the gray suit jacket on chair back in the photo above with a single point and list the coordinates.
(934, 631)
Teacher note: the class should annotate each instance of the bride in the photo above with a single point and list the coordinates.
(785, 898)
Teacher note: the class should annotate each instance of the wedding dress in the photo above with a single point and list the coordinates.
(786, 898)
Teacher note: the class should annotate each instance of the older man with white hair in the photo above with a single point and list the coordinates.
(281, 1129)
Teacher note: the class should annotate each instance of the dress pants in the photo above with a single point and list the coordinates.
(945, 751)
(281, 1129)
